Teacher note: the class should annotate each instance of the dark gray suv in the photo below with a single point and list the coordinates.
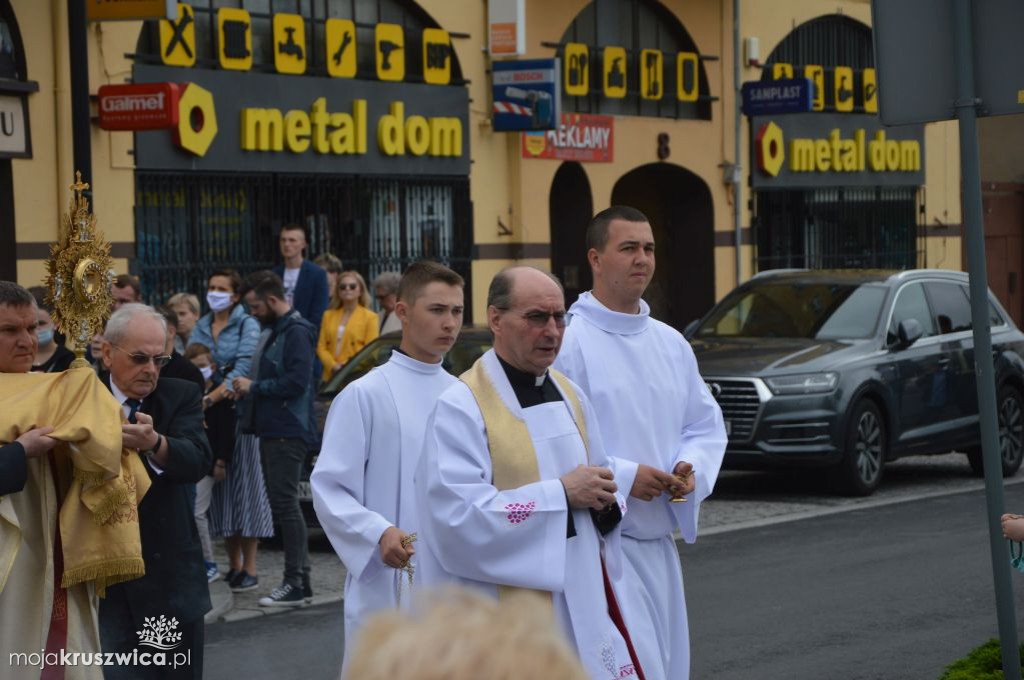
(848, 369)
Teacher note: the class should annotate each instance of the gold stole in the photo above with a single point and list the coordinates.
(513, 458)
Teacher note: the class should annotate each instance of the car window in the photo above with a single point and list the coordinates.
(463, 354)
(910, 304)
(951, 306)
(787, 309)
(994, 317)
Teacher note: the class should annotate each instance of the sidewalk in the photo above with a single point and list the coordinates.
(327, 577)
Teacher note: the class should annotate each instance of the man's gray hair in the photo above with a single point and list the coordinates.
(121, 320)
(14, 295)
(500, 292)
(388, 282)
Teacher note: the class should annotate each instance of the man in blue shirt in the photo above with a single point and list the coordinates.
(281, 401)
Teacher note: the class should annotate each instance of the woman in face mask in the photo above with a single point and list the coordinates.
(238, 514)
(51, 356)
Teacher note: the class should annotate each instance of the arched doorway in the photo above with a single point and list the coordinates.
(570, 208)
(678, 203)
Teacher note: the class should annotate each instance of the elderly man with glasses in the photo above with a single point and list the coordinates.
(513, 488)
(164, 422)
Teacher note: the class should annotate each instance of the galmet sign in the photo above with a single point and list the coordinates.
(277, 123)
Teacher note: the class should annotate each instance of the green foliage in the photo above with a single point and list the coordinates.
(983, 663)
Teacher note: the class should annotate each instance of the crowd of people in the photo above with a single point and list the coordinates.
(545, 489)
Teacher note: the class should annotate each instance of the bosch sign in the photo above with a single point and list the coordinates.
(145, 106)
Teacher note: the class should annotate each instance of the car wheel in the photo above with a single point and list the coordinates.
(1010, 416)
(860, 471)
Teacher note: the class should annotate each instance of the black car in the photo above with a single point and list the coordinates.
(471, 344)
(849, 369)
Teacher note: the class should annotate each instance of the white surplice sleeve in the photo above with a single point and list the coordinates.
(515, 537)
(702, 443)
(339, 483)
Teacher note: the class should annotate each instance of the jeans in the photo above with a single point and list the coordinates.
(282, 467)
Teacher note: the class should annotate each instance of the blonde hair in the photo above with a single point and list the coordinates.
(364, 295)
(459, 634)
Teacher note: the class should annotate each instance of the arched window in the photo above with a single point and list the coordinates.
(634, 25)
(365, 13)
(12, 55)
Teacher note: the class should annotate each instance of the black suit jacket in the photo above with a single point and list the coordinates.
(13, 468)
(175, 581)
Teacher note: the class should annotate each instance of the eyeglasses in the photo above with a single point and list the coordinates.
(140, 359)
(348, 286)
(539, 319)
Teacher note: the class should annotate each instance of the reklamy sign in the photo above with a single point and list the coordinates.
(809, 150)
(146, 106)
(277, 123)
(581, 137)
(772, 97)
(527, 95)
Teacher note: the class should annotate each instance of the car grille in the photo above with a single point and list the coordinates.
(740, 404)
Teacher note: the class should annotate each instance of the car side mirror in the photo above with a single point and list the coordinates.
(690, 328)
(909, 332)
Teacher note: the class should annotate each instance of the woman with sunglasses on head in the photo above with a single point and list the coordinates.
(348, 324)
(232, 335)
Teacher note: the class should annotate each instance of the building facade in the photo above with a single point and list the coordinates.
(371, 123)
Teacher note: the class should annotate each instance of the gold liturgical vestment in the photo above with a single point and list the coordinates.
(91, 488)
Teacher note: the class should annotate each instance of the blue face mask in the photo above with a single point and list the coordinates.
(45, 336)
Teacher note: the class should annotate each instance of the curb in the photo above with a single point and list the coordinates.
(233, 615)
(222, 599)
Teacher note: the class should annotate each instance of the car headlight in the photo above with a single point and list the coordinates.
(803, 383)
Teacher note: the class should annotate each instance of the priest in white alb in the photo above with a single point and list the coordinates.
(362, 482)
(513, 488)
(654, 409)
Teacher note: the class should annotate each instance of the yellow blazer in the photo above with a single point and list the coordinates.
(361, 329)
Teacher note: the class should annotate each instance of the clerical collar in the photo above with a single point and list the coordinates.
(530, 390)
(594, 311)
(401, 358)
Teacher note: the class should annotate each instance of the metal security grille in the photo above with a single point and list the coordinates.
(838, 228)
(190, 225)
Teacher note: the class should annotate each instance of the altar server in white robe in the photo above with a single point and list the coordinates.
(513, 488)
(362, 482)
(654, 409)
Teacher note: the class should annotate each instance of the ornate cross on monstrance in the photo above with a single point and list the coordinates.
(79, 275)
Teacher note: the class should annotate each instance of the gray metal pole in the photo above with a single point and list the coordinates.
(971, 189)
(737, 186)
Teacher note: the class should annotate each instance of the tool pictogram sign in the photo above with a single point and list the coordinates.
(577, 69)
(652, 74)
(390, 49)
(437, 56)
(614, 66)
(289, 43)
(843, 94)
(178, 38)
(234, 38)
(340, 40)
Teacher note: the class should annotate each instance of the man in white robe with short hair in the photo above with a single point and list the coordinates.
(513, 488)
(362, 483)
(654, 409)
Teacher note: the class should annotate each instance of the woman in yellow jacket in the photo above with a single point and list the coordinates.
(348, 325)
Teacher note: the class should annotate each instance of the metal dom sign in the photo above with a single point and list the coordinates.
(580, 137)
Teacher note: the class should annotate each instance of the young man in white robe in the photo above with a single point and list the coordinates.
(653, 409)
(513, 488)
(362, 483)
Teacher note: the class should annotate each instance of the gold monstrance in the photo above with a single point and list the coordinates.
(79, 275)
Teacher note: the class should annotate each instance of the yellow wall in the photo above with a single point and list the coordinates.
(771, 22)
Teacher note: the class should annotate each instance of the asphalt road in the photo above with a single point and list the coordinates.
(893, 592)
(896, 592)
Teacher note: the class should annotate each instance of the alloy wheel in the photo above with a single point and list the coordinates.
(1011, 430)
(869, 447)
